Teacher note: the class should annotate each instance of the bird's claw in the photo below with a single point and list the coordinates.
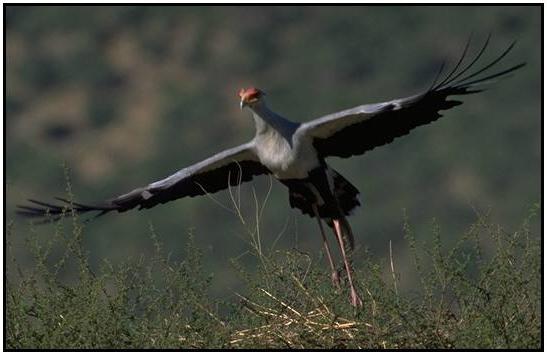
(335, 277)
(355, 299)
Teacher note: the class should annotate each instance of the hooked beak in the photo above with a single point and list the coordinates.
(242, 104)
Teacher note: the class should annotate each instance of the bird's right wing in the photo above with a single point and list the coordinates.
(228, 168)
(359, 129)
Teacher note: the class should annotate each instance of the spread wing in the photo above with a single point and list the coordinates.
(362, 128)
(228, 168)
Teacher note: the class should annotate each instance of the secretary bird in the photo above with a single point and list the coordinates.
(294, 153)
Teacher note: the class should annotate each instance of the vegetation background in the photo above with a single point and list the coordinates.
(125, 95)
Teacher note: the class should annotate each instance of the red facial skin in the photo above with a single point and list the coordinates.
(250, 94)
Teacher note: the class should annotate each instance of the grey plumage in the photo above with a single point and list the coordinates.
(290, 150)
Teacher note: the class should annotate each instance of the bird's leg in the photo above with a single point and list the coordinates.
(334, 273)
(355, 299)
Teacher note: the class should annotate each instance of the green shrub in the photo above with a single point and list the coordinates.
(464, 299)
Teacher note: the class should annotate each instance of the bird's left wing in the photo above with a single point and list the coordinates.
(359, 129)
(228, 168)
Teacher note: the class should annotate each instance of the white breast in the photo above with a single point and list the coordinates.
(283, 160)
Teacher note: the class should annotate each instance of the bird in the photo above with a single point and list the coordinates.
(296, 155)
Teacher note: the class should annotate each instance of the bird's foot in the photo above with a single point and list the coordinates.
(355, 299)
(335, 277)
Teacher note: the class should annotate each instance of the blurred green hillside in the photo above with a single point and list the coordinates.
(127, 95)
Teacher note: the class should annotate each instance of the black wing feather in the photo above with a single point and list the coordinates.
(212, 181)
(399, 117)
(175, 187)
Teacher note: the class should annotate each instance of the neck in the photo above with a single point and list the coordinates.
(266, 119)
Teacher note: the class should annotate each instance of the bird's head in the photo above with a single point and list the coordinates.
(250, 97)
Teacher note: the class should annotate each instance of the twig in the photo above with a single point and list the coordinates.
(281, 302)
(216, 201)
(393, 269)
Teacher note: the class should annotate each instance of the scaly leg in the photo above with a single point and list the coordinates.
(334, 275)
(355, 299)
